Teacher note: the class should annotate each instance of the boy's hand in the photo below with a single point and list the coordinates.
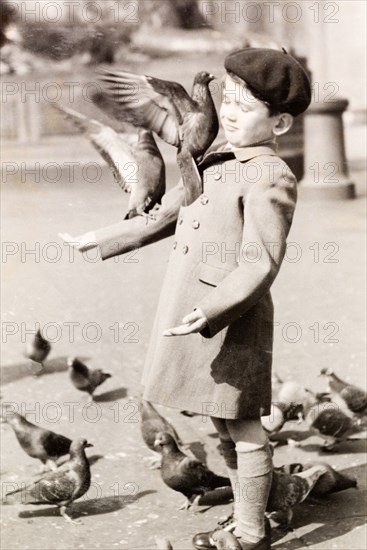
(81, 243)
(193, 322)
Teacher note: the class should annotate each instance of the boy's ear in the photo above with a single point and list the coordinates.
(283, 123)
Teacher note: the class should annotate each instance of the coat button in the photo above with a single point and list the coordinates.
(185, 249)
(204, 199)
(195, 224)
(217, 176)
(174, 245)
(180, 220)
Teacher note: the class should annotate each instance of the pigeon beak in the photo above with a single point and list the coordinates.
(212, 77)
(89, 445)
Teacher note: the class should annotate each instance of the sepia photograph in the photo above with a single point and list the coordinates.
(183, 274)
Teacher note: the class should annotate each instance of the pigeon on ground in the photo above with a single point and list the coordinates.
(225, 540)
(330, 482)
(37, 442)
(332, 424)
(152, 423)
(291, 391)
(164, 107)
(61, 487)
(354, 398)
(84, 378)
(135, 161)
(288, 490)
(39, 349)
(280, 414)
(184, 474)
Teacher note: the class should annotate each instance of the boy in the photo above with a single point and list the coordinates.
(228, 248)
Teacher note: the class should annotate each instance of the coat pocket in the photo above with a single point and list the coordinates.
(211, 275)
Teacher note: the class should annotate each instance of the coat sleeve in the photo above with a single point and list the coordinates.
(267, 213)
(142, 230)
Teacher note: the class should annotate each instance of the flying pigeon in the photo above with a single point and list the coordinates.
(332, 424)
(61, 487)
(37, 442)
(164, 107)
(225, 540)
(39, 349)
(152, 423)
(84, 378)
(135, 161)
(184, 474)
(288, 490)
(354, 398)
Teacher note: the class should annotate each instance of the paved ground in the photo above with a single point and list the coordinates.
(319, 303)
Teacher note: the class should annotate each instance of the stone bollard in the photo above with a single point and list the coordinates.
(325, 166)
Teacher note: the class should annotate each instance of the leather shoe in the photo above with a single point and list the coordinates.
(204, 541)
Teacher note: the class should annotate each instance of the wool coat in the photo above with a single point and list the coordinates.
(227, 250)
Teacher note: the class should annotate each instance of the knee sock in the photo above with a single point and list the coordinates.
(251, 495)
(230, 458)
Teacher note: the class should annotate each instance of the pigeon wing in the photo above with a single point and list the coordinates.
(196, 478)
(154, 104)
(332, 423)
(112, 146)
(53, 488)
(285, 492)
(55, 445)
(355, 398)
(151, 184)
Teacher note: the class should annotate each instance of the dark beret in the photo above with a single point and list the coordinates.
(273, 76)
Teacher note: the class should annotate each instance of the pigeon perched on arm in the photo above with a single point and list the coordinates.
(61, 487)
(152, 423)
(38, 349)
(354, 398)
(184, 474)
(288, 490)
(135, 160)
(164, 107)
(84, 378)
(37, 442)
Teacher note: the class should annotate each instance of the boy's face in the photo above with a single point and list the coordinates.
(244, 118)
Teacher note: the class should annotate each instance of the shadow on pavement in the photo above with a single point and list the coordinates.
(12, 373)
(112, 395)
(92, 507)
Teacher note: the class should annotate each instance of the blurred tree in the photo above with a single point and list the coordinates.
(7, 16)
(184, 14)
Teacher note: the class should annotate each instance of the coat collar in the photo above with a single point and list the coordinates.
(225, 151)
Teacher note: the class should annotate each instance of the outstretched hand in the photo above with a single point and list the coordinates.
(193, 322)
(82, 242)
